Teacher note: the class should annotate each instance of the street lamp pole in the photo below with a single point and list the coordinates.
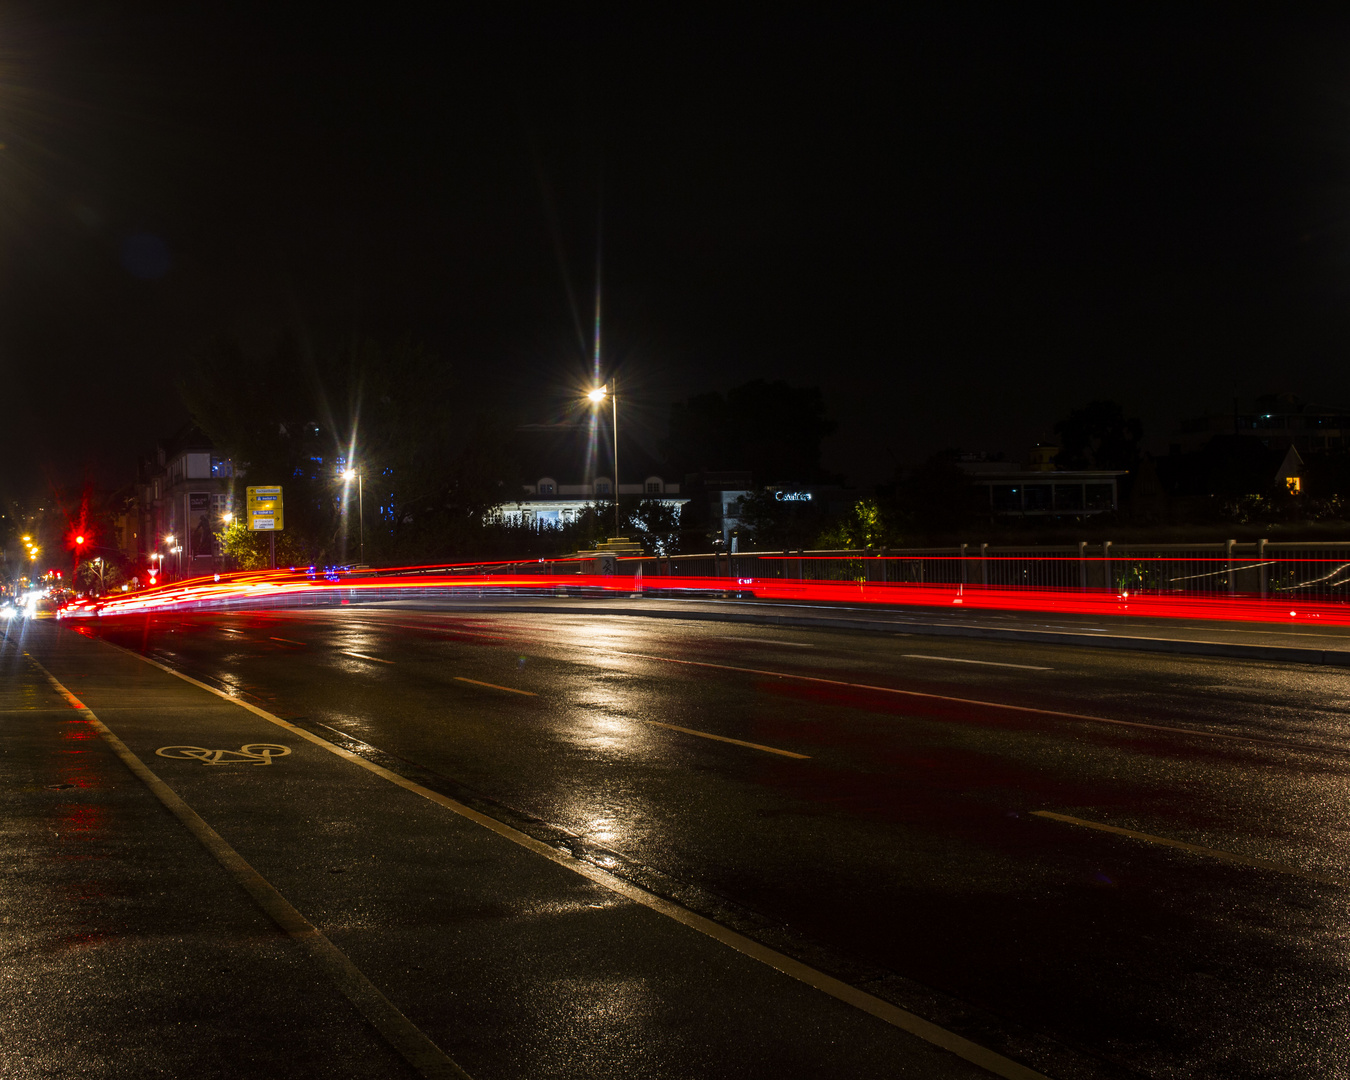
(360, 505)
(596, 396)
(614, 404)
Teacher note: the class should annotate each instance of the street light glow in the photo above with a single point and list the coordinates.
(349, 475)
(598, 394)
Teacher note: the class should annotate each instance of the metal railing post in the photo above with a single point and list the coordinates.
(1106, 564)
(1228, 546)
(1082, 564)
(984, 564)
(961, 554)
(1261, 560)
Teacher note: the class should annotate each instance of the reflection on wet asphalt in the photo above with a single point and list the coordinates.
(901, 842)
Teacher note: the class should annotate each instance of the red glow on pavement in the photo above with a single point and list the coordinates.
(286, 588)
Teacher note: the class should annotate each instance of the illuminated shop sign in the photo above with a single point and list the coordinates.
(792, 496)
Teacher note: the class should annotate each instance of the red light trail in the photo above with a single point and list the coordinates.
(299, 588)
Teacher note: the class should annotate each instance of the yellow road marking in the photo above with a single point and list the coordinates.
(494, 686)
(288, 641)
(1029, 710)
(723, 738)
(363, 656)
(400, 1032)
(1195, 849)
(903, 1019)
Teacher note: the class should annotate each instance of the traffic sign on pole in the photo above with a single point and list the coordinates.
(265, 509)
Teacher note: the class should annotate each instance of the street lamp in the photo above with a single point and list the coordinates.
(596, 397)
(360, 506)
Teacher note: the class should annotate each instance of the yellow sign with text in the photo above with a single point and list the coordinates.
(264, 509)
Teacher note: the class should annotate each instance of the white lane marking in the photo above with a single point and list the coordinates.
(400, 1032)
(903, 1019)
(496, 686)
(723, 738)
(984, 663)
(766, 641)
(288, 641)
(1195, 849)
(363, 656)
(976, 701)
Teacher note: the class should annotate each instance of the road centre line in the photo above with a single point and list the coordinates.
(986, 704)
(903, 1019)
(401, 1033)
(962, 660)
(363, 656)
(1196, 849)
(288, 641)
(494, 686)
(723, 738)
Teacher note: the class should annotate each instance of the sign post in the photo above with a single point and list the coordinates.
(265, 514)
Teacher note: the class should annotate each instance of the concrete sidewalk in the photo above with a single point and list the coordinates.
(1301, 644)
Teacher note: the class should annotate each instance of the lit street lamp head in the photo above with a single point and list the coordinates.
(349, 475)
(598, 394)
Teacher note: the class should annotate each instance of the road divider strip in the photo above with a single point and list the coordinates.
(929, 1032)
(723, 738)
(1195, 849)
(494, 686)
(402, 1034)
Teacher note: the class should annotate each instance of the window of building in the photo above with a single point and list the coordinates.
(602, 487)
(547, 486)
(1037, 497)
(1098, 496)
(653, 487)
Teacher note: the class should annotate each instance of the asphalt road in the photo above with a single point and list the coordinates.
(1091, 863)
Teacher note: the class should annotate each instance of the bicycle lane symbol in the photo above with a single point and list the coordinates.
(248, 754)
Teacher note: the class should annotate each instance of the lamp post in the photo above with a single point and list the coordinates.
(360, 507)
(596, 396)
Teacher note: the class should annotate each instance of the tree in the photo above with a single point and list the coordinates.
(767, 523)
(1098, 436)
(864, 526)
(433, 461)
(933, 499)
(770, 428)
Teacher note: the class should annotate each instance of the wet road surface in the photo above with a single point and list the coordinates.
(1093, 863)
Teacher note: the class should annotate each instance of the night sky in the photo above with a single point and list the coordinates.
(959, 225)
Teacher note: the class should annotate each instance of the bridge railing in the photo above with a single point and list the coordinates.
(1312, 571)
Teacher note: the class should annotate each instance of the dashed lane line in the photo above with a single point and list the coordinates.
(929, 1032)
(401, 1033)
(363, 656)
(1024, 709)
(734, 742)
(1195, 849)
(288, 641)
(982, 663)
(494, 686)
